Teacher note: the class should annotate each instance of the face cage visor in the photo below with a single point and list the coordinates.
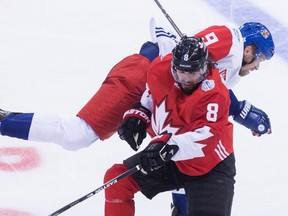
(203, 72)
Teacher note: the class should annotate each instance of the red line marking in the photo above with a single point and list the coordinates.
(11, 212)
(18, 159)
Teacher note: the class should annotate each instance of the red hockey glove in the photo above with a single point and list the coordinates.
(133, 128)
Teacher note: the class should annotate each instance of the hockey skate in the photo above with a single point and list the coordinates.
(3, 114)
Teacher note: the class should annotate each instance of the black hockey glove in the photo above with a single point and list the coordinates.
(133, 128)
(253, 118)
(157, 153)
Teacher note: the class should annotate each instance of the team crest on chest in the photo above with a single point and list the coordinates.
(161, 119)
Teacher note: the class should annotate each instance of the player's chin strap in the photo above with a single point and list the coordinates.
(103, 187)
(169, 19)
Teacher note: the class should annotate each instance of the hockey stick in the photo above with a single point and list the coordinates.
(169, 18)
(103, 187)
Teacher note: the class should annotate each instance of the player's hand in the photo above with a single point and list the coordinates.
(133, 128)
(157, 153)
(253, 118)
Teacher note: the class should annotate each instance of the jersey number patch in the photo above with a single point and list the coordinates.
(212, 109)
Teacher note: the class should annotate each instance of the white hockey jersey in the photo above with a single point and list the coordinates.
(224, 42)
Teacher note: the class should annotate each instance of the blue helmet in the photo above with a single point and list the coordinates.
(258, 35)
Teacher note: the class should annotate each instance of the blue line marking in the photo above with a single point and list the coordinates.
(243, 11)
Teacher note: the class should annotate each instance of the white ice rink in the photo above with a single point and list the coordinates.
(54, 54)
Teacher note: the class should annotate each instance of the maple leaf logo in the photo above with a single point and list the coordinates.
(188, 150)
(159, 119)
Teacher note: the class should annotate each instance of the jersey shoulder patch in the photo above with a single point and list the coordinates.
(207, 85)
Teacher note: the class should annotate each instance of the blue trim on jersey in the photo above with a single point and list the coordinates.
(17, 125)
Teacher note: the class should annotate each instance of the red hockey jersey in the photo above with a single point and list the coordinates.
(199, 122)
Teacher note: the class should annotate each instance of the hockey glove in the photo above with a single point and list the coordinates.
(157, 153)
(253, 118)
(133, 128)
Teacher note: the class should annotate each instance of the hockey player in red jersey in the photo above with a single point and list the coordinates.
(193, 147)
(225, 45)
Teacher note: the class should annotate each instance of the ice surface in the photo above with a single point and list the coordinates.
(55, 54)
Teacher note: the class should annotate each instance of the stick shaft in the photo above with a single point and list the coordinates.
(169, 18)
(103, 187)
